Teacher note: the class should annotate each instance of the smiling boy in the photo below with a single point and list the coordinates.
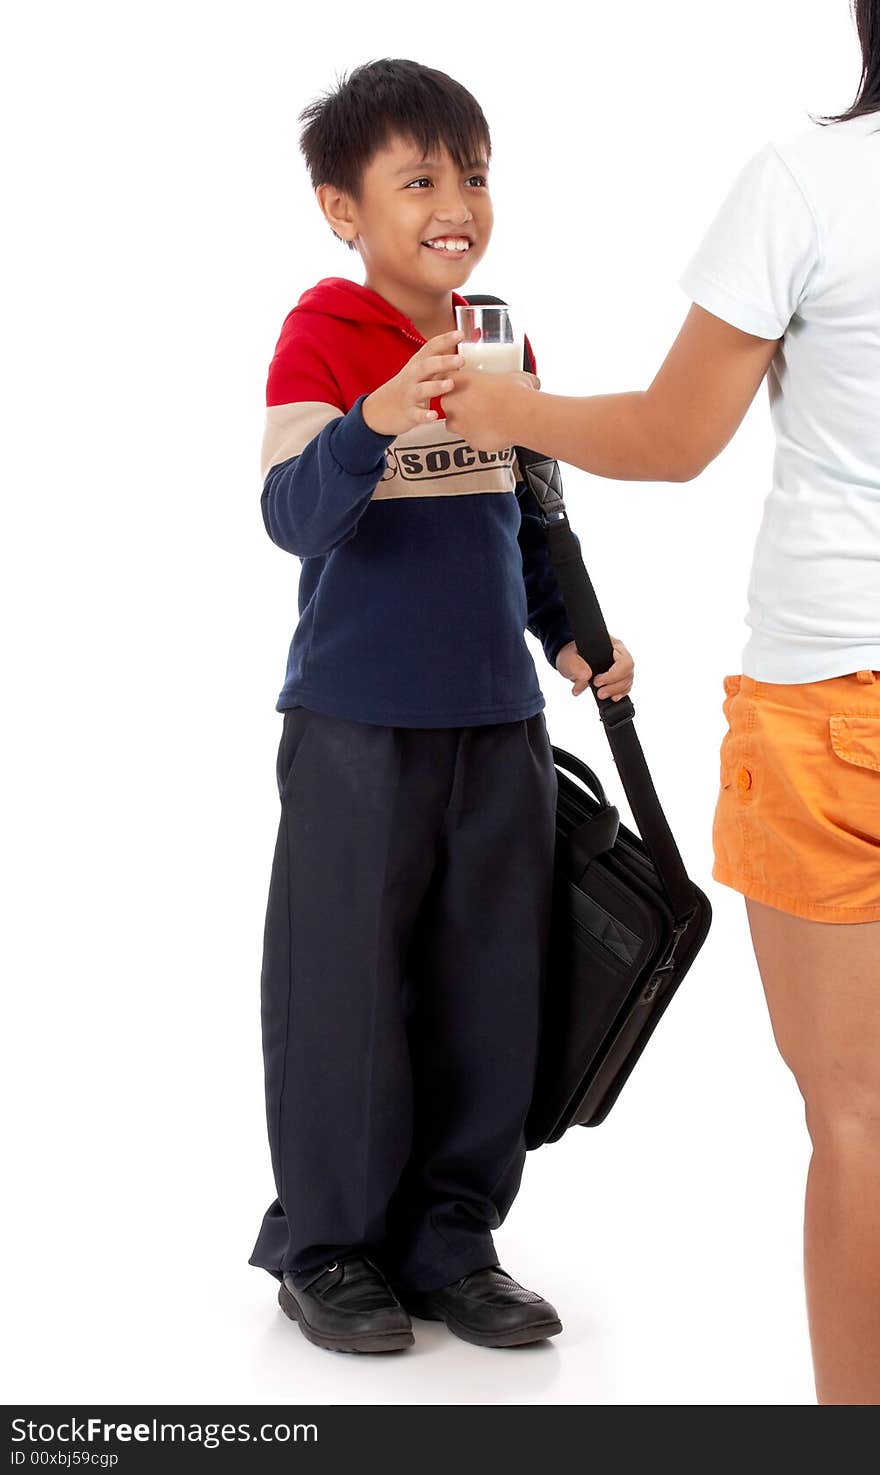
(410, 892)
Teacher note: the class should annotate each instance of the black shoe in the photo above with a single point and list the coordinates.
(489, 1309)
(347, 1307)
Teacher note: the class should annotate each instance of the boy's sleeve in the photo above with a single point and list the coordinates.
(320, 466)
(547, 619)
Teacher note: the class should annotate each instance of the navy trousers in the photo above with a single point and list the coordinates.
(404, 949)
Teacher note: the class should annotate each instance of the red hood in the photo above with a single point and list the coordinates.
(336, 297)
(341, 341)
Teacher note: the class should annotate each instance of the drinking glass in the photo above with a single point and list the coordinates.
(490, 343)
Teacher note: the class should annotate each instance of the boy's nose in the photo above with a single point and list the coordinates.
(454, 214)
(453, 204)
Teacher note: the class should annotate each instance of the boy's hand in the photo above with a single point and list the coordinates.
(571, 665)
(482, 408)
(403, 402)
(614, 683)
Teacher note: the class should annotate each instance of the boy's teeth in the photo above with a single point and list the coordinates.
(453, 244)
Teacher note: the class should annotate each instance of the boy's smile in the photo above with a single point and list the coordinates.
(421, 224)
(452, 245)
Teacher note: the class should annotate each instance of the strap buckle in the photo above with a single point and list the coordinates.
(663, 971)
(614, 714)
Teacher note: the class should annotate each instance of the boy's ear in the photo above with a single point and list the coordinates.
(338, 210)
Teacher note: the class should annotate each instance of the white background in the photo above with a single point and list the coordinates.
(161, 228)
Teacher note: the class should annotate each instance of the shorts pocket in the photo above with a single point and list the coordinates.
(727, 756)
(856, 739)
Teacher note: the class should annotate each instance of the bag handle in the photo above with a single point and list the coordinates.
(578, 769)
(596, 834)
(542, 476)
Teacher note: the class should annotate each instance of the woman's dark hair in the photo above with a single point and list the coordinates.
(867, 19)
(347, 127)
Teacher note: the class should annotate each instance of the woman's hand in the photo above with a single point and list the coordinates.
(483, 408)
(615, 683)
(668, 432)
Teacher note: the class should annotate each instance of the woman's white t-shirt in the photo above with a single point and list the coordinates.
(794, 254)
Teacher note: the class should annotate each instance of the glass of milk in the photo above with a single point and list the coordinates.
(489, 341)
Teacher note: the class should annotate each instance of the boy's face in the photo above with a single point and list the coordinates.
(421, 224)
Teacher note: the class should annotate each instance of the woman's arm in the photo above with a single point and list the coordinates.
(669, 432)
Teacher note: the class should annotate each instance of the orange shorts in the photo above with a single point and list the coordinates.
(797, 823)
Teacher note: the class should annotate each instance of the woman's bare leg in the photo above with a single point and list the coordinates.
(822, 984)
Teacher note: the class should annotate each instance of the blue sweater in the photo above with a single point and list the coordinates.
(423, 561)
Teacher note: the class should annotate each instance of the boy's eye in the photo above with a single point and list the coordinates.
(478, 180)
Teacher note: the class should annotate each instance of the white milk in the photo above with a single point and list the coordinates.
(492, 358)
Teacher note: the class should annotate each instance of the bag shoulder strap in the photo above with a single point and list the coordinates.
(542, 476)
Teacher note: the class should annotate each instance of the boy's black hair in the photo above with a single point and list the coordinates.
(346, 128)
